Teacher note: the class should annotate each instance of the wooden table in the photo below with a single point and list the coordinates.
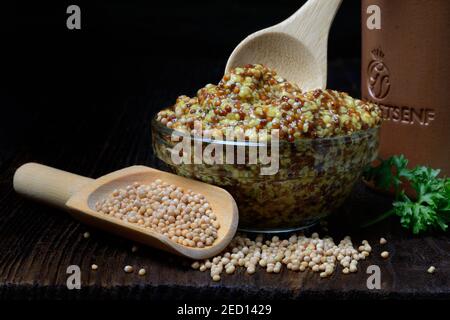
(106, 127)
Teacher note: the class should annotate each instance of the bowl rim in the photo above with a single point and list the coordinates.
(357, 135)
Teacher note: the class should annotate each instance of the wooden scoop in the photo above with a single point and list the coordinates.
(296, 47)
(79, 195)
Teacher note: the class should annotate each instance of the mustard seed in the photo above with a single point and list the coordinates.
(142, 272)
(128, 269)
(182, 216)
(271, 102)
(298, 253)
(230, 269)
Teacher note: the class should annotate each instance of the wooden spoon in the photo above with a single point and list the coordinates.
(296, 47)
(79, 194)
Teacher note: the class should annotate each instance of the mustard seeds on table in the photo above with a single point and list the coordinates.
(142, 272)
(297, 253)
(183, 216)
(128, 269)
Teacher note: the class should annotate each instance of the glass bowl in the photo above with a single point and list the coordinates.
(315, 177)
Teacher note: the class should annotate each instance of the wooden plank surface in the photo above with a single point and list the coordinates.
(95, 134)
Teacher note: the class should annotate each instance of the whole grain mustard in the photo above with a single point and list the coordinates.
(254, 97)
(327, 138)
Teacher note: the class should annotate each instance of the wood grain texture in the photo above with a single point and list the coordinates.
(37, 242)
(49, 185)
(78, 195)
(296, 47)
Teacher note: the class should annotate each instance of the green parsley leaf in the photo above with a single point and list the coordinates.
(431, 209)
(383, 175)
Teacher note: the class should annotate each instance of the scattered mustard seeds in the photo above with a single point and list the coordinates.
(298, 253)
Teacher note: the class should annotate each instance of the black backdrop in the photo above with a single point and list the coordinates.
(165, 28)
(140, 54)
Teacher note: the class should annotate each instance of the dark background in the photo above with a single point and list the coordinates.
(130, 57)
(82, 100)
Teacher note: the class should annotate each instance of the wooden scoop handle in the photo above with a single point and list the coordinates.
(47, 184)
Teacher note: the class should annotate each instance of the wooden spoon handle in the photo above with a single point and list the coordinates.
(47, 184)
(312, 22)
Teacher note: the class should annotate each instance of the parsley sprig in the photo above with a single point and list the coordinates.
(431, 207)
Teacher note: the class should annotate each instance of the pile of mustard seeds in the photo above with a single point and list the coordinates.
(183, 216)
(298, 253)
